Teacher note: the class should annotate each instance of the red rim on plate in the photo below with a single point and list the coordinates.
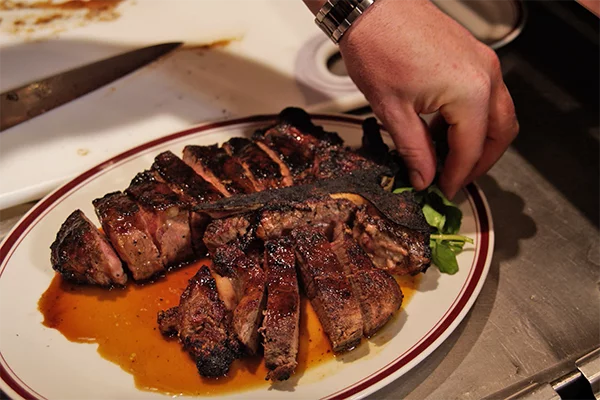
(439, 332)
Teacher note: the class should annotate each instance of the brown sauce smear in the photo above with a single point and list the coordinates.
(123, 323)
(66, 5)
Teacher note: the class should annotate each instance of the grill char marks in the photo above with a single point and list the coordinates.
(377, 292)
(264, 172)
(167, 218)
(280, 327)
(182, 179)
(80, 253)
(328, 290)
(203, 326)
(392, 247)
(248, 282)
(215, 165)
(279, 218)
(125, 225)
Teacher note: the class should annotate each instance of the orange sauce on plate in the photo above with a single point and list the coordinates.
(123, 324)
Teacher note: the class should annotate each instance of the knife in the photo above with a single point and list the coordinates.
(38, 97)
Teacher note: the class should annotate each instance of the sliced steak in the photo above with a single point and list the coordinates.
(80, 253)
(335, 161)
(225, 230)
(167, 217)
(123, 222)
(279, 218)
(392, 247)
(280, 327)
(377, 292)
(249, 284)
(203, 326)
(301, 120)
(182, 179)
(264, 172)
(290, 148)
(216, 166)
(328, 289)
(191, 188)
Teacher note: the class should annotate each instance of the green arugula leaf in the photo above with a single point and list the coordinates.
(403, 189)
(433, 217)
(444, 258)
(450, 210)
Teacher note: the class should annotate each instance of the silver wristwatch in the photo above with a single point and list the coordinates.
(336, 16)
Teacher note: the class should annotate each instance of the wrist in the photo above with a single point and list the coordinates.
(335, 17)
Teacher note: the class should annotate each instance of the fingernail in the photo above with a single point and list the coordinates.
(416, 179)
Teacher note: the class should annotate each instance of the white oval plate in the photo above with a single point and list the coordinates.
(38, 362)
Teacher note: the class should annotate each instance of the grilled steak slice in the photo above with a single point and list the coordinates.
(82, 254)
(191, 188)
(182, 179)
(249, 284)
(289, 147)
(336, 161)
(280, 327)
(300, 119)
(124, 223)
(222, 231)
(328, 290)
(392, 247)
(219, 168)
(279, 218)
(166, 216)
(377, 292)
(203, 326)
(265, 173)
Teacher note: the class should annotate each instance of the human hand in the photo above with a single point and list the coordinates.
(409, 58)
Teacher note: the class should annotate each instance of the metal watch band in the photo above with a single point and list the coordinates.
(336, 16)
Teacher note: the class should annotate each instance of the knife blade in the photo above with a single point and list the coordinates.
(35, 98)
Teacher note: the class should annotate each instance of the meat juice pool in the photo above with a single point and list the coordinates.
(123, 324)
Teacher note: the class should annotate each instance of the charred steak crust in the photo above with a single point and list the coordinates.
(123, 222)
(377, 292)
(249, 284)
(280, 328)
(203, 326)
(392, 247)
(328, 290)
(80, 253)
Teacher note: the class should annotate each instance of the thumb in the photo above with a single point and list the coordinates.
(413, 142)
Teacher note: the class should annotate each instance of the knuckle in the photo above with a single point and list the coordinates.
(493, 61)
(481, 85)
(515, 128)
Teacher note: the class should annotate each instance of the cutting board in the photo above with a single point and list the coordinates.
(238, 58)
